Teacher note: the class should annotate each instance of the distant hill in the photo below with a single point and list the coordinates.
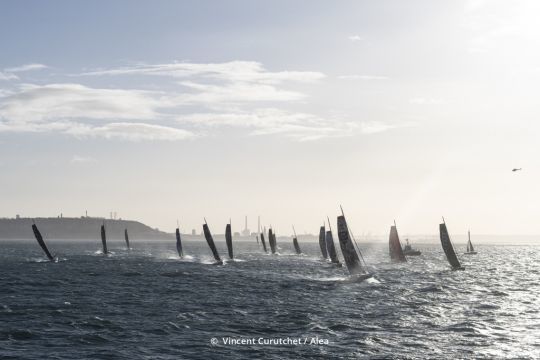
(86, 228)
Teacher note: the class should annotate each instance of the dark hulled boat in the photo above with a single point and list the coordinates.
(41, 242)
(210, 241)
(322, 242)
(396, 252)
(228, 240)
(409, 251)
(449, 248)
(354, 265)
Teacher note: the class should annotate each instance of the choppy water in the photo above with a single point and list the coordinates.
(148, 304)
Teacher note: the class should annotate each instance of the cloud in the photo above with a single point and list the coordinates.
(362, 77)
(37, 103)
(355, 38)
(77, 159)
(296, 125)
(26, 67)
(232, 71)
(236, 93)
(131, 132)
(271, 121)
(68, 108)
(7, 76)
(426, 101)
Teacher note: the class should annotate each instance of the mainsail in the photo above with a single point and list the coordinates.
(295, 243)
(41, 243)
(347, 248)
(104, 239)
(263, 243)
(322, 242)
(179, 243)
(228, 240)
(330, 245)
(210, 241)
(272, 241)
(448, 247)
(126, 236)
(396, 252)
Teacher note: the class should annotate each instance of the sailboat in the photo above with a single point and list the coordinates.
(228, 239)
(331, 247)
(295, 243)
(210, 241)
(41, 242)
(104, 239)
(272, 241)
(449, 248)
(179, 241)
(322, 242)
(470, 248)
(356, 267)
(396, 252)
(264, 242)
(126, 237)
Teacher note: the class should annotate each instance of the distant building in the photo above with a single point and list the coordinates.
(193, 232)
(17, 216)
(236, 234)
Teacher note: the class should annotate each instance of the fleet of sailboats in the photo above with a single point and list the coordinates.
(351, 252)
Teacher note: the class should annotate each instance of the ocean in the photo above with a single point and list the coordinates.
(149, 304)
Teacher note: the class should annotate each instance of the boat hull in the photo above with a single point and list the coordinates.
(361, 277)
(412, 253)
(470, 253)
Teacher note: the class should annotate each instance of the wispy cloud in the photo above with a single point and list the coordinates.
(131, 132)
(362, 77)
(233, 71)
(77, 159)
(426, 101)
(26, 67)
(355, 38)
(240, 94)
(295, 125)
(7, 76)
(235, 93)
(36, 103)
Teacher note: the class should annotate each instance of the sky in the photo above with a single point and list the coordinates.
(166, 110)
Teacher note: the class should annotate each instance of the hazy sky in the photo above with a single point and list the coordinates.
(159, 110)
